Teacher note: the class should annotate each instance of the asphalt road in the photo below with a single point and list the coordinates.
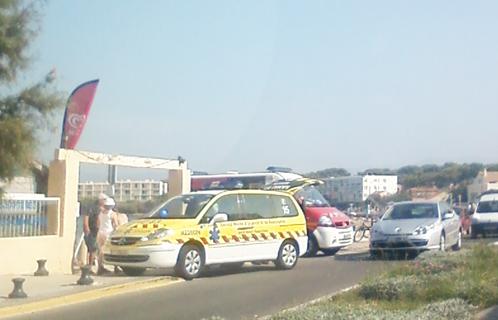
(252, 292)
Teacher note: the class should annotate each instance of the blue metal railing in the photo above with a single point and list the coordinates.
(25, 217)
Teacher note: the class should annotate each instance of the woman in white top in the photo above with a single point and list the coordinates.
(108, 222)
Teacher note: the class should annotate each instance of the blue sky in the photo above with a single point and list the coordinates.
(310, 85)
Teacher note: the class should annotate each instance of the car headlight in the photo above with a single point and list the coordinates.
(423, 229)
(158, 234)
(325, 221)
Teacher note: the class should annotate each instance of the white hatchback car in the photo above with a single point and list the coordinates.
(416, 226)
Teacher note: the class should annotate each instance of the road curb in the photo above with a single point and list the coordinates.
(88, 295)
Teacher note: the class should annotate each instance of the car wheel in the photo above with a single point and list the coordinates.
(458, 244)
(133, 271)
(375, 254)
(330, 252)
(473, 233)
(287, 255)
(442, 242)
(189, 264)
(312, 246)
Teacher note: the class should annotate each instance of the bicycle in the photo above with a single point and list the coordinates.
(364, 229)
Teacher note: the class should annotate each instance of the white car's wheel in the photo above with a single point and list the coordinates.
(190, 262)
(458, 244)
(442, 242)
(287, 255)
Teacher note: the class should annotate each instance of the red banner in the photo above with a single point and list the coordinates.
(77, 109)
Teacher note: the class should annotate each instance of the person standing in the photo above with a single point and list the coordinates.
(91, 228)
(108, 222)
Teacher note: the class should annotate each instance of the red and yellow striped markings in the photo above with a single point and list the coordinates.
(249, 237)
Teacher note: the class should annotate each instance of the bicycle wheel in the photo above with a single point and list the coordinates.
(359, 234)
(366, 233)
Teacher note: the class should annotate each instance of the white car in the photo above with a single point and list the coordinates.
(485, 218)
(416, 226)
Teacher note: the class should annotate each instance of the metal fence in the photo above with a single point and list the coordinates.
(28, 217)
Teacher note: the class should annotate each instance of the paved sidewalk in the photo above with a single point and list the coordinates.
(56, 290)
(356, 248)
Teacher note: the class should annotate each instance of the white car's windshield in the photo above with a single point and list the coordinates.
(185, 206)
(411, 211)
(487, 207)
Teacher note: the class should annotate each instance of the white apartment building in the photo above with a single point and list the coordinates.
(358, 188)
(124, 190)
(485, 180)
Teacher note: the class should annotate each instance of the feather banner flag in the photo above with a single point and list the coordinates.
(77, 109)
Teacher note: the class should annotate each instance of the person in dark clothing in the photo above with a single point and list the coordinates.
(91, 228)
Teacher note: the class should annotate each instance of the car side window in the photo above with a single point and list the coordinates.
(283, 207)
(444, 207)
(228, 204)
(257, 206)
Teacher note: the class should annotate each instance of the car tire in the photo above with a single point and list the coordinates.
(330, 252)
(133, 271)
(458, 245)
(473, 233)
(312, 246)
(442, 242)
(190, 262)
(288, 255)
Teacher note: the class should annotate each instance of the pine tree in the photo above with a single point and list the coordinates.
(24, 110)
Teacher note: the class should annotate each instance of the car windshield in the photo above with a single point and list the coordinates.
(487, 207)
(411, 211)
(311, 197)
(181, 207)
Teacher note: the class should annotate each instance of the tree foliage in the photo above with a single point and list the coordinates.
(24, 110)
(327, 173)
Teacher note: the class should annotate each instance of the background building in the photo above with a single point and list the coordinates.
(358, 188)
(485, 180)
(21, 184)
(124, 190)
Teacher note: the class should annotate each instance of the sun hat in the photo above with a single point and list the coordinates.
(109, 202)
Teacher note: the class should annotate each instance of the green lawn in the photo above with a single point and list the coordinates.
(436, 285)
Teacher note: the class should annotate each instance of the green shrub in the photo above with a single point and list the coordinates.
(450, 309)
(389, 288)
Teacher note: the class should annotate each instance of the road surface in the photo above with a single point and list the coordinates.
(252, 292)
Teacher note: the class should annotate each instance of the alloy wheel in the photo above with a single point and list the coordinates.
(192, 262)
(289, 254)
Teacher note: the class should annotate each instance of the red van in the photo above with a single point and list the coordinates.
(329, 229)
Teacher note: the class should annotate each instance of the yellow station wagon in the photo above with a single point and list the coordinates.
(203, 228)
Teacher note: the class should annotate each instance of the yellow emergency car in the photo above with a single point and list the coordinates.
(203, 228)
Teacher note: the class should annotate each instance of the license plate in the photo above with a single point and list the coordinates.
(118, 252)
(346, 237)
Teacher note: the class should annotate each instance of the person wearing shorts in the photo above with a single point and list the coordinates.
(91, 228)
(108, 222)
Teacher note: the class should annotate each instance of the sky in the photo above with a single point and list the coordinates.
(242, 85)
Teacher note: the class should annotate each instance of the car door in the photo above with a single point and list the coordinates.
(220, 242)
(451, 226)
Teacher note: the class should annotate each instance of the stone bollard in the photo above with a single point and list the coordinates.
(18, 292)
(85, 278)
(41, 268)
